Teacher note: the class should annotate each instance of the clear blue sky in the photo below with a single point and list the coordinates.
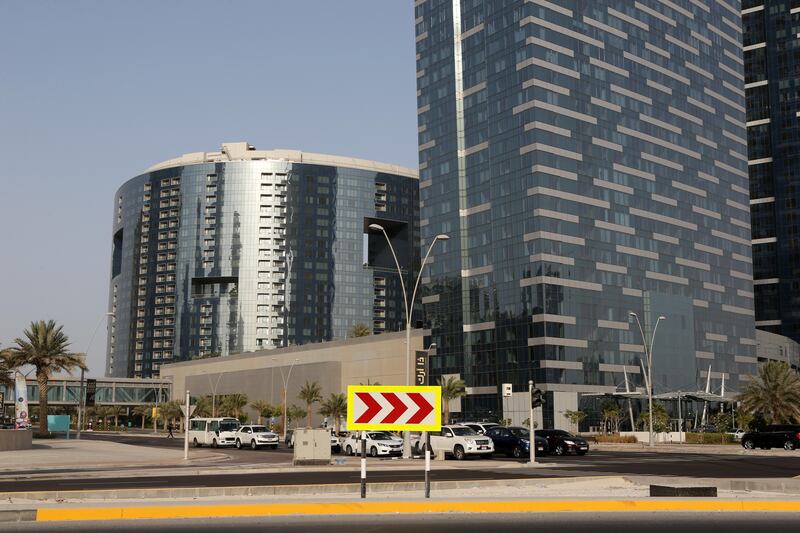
(92, 93)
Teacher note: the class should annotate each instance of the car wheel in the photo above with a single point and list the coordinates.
(349, 450)
(214, 443)
(253, 444)
(748, 444)
(516, 452)
(195, 443)
(559, 449)
(373, 451)
(458, 453)
(238, 444)
(788, 445)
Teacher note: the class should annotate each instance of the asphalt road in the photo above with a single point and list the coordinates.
(509, 523)
(594, 464)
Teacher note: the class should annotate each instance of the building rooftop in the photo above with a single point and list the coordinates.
(242, 151)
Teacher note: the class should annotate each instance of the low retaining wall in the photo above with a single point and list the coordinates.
(644, 436)
(15, 439)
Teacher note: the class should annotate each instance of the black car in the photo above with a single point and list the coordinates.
(560, 442)
(786, 436)
(515, 441)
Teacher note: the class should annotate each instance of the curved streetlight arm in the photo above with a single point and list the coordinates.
(421, 268)
(652, 340)
(399, 271)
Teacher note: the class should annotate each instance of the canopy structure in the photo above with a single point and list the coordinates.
(698, 396)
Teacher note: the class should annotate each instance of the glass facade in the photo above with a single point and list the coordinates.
(229, 252)
(772, 84)
(587, 159)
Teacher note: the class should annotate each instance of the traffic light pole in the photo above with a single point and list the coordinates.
(532, 441)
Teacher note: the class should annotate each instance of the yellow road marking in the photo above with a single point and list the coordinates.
(361, 508)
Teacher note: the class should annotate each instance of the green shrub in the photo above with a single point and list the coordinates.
(627, 439)
(709, 438)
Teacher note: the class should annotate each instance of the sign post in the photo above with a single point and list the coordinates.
(393, 408)
(187, 411)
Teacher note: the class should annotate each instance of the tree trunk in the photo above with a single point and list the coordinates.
(445, 411)
(308, 416)
(41, 379)
(143, 421)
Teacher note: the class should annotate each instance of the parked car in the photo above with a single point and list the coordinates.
(378, 443)
(515, 441)
(336, 446)
(480, 427)
(786, 436)
(560, 442)
(461, 441)
(737, 433)
(256, 436)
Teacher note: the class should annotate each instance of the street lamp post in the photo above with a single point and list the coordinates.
(285, 387)
(648, 376)
(408, 309)
(81, 399)
(214, 393)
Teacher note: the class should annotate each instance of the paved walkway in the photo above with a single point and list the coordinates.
(76, 454)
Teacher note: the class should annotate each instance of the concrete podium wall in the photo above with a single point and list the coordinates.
(15, 439)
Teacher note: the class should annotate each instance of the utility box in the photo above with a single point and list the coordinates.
(312, 447)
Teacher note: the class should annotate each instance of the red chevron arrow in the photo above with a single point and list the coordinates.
(424, 406)
(373, 408)
(398, 408)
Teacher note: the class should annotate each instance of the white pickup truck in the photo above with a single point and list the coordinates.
(460, 442)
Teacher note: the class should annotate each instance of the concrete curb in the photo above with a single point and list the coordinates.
(279, 490)
(412, 507)
(781, 485)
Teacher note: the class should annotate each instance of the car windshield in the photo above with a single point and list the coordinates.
(520, 432)
(562, 434)
(463, 432)
(228, 425)
(259, 429)
(379, 436)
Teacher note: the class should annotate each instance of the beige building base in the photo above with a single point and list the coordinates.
(335, 365)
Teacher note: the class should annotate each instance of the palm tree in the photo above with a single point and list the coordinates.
(775, 394)
(360, 330)
(202, 406)
(232, 404)
(310, 393)
(336, 407)
(264, 410)
(104, 412)
(45, 347)
(294, 413)
(170, 411)
(145, 411)
(6, 378)
(452, 388)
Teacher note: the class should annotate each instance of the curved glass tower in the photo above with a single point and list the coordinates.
(216, 253)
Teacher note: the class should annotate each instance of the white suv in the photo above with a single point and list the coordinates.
(378, 443)
(461, 441)
(255, 436)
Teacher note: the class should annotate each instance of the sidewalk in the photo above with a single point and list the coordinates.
(79, 454)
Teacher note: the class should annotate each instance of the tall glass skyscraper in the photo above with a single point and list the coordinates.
(588, 160)
(224, 252)
(772, 82)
